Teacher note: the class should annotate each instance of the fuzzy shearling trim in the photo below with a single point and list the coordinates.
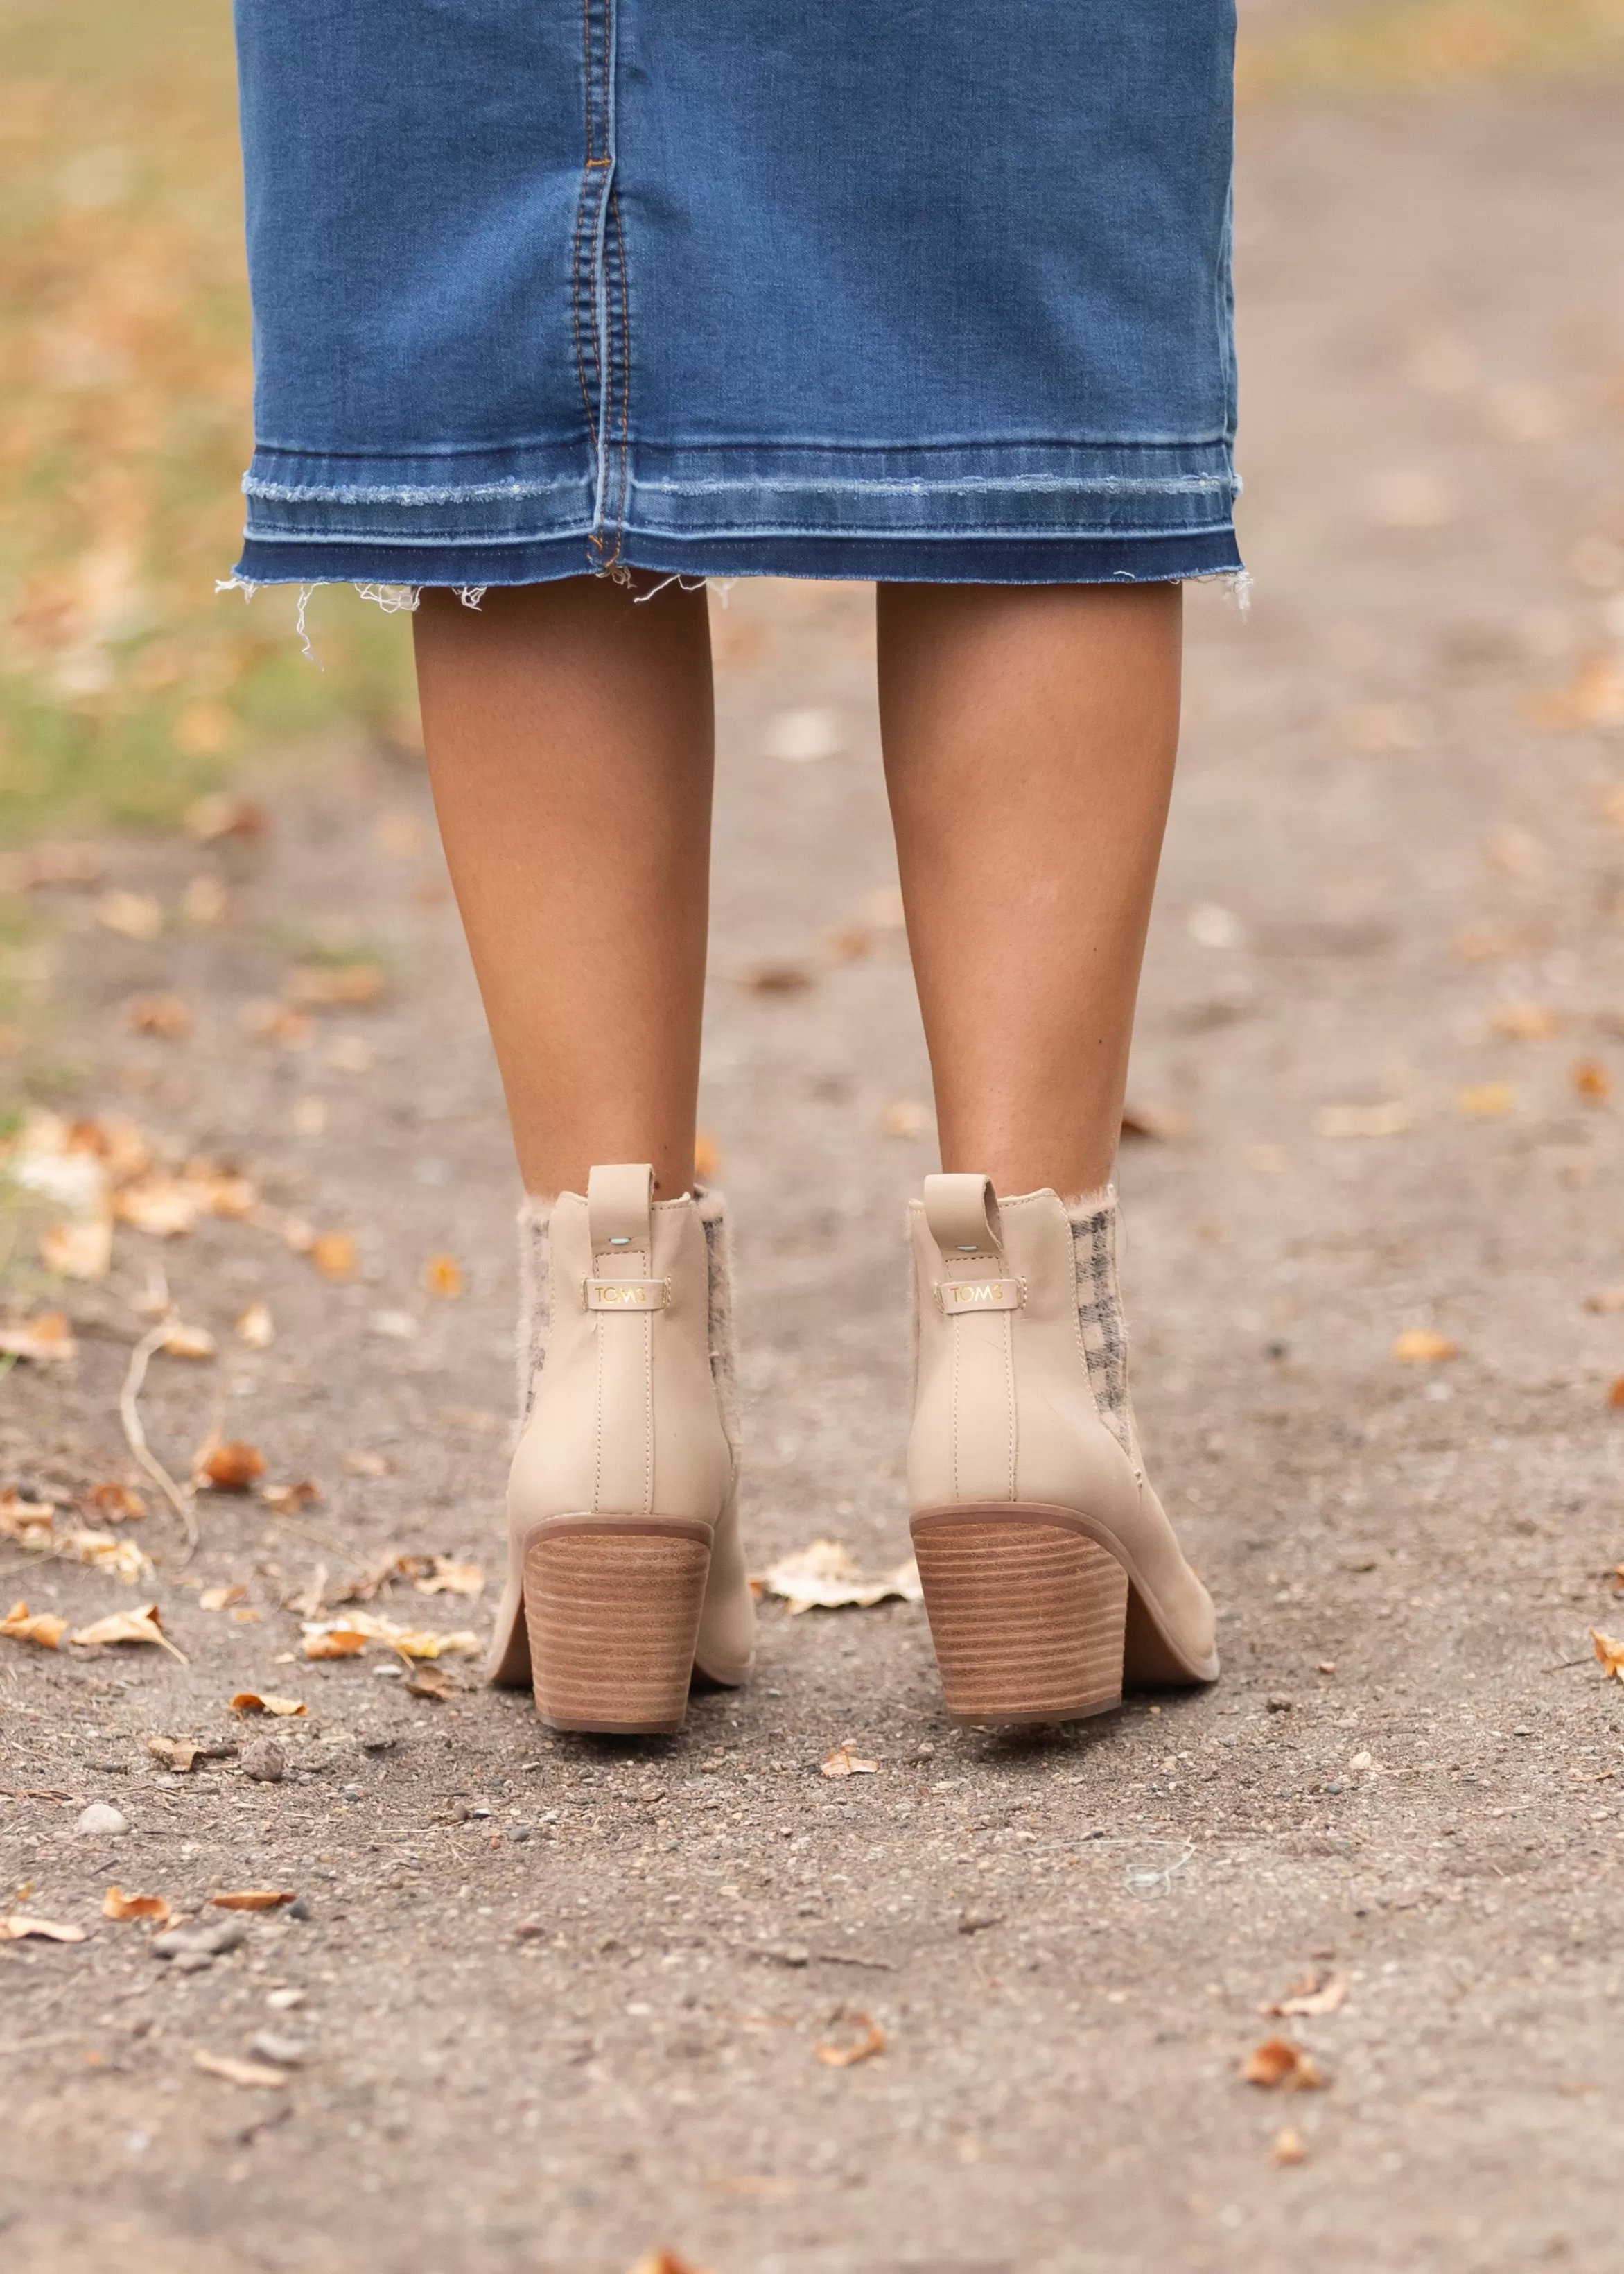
(724, 1355)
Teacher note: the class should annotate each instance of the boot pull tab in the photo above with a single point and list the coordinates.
(962, 1212)
(618, 1212)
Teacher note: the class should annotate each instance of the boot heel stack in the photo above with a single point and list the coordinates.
(612, 1607)
(1028, 1616)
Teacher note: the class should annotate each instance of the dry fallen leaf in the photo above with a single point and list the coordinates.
(134, 916)
(117, 1905)
(1165, 1123)
(1290, 2147)
(249, 1701)
(234, 1466)
(1484, 1101)
(825, 1577)
(168, 1017)
(847, 2055)
(442, 1276)
(369, 1464)
(183, 1341)
(1482, 943)
(1526, 1022)
(1610, 1653)
(1593, 698)
(664, 2262)
(42, 1627)
(431, 1682)
(82, 1250)
(1610, 1299)
(255, 1898)
(843, 1762)
(1422, 1346)
(1309, 2001)
(248, 2073)
(19, 1926)
(223, 814)
(707, 1158)
(120, 1557)
(1514, 853)
(776, 978)
(287, 1499)
(1616, 1396)
(1592, 1080)
(46, 1339)
(1279, 2066)
(325, 986)
(115, 1503)
(1392, 1119)
(335, 1642)
(254, 1327)
(143, 1625)
(221, 1599)
(175, 1753)
(29, 1521)
(335, 1254)
(277, 1022)
(444, 1577)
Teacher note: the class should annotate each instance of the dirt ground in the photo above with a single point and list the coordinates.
(561, 1999)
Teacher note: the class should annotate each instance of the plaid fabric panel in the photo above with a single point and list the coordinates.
(1099, 1309)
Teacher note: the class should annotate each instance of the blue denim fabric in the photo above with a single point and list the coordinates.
(920, 289)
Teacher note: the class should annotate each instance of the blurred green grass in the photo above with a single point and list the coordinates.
(126, 685)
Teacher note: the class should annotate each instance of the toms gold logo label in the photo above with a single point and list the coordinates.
(982, 1295)
(626, 1294)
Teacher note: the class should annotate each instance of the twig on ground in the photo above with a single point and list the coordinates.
(135, 1435)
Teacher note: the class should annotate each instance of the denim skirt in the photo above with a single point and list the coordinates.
(922, 290)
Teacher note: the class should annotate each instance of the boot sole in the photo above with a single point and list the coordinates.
(1028, 1615)
(611, 1609)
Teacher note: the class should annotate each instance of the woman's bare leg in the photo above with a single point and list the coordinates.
(1029, 734)
(569, 738)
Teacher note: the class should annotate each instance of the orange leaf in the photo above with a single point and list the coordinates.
(342, 1642)
(42, 1627)
(1483, 1100)
(255, 1898)
(442, 1276)
(1421, 1346)
(1279, 2066)
(230, 1467)
(117, 1905)
(1591, 1079)
(1610, 1653)
(864, 2048)
(20, 1927)
(322, 986)
(249, 1701)
(1616, 1396)
(336, 1255)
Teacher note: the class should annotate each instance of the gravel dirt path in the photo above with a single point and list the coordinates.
(564, 2002)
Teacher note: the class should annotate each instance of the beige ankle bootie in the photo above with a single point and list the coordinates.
(624, 1570)
(1050, 1572)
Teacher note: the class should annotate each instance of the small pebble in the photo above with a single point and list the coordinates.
(298, 1908)
(518, 1831)
(283, 2002)
(206, 1939)
(100, 1821)
(286, 2052)
(1280, 1705)
(265, 1761)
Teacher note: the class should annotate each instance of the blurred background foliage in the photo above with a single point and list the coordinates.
(126, 685)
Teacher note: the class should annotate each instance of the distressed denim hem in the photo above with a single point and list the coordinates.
(1172, 559)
